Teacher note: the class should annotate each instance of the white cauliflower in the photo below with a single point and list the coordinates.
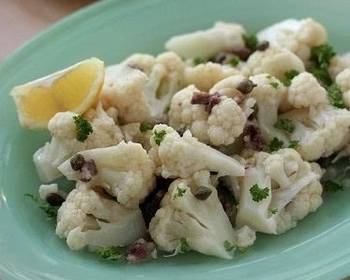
(221, 126)
(269, 94)
(343, 81)
(305, 91)
(272, 189)
(64, 141)
(205, 44)
(91, 218)
(46, 190)
(177, 156)
(338, 63)
(141, 86)
(124, 170)
(244, 237)
(298, 36)
(320, 131)
(185, 222)
(274, 61)
(205, 76)
(139, 133)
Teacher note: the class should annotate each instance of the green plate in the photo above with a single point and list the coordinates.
(317, 249)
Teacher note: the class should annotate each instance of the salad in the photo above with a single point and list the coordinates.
(223, 136)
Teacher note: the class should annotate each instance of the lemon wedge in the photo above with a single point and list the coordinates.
(74, 89)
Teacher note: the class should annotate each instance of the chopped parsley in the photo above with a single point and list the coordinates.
(145, 126)
(293, 144)
(320, 58)
(335, 96)
(198, 60)
(273, 211)
(184, 247)
(321, 55)
(229, 246)
(110, 253)
(275, 145)
(158, 136)
(258, 194)
(83, 128)
(250, 41)
(234, 61)
(179, 192)
(286, 125)
(288, 77)
(50, 211)
(331, 186)
(275, 85)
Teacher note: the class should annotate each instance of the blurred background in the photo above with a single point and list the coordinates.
(20, 20)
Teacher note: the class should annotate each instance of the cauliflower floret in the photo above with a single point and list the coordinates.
(298, 36)
(133, 132)
(269, 94)
(200, 224)
(272, 189)
(124, 170)
(64, 143)
(274, 61)
(141, 87)
(204, 76)
(177, 156)
(343, 81)
(305, 91)
(221, 126)
(89, 218)
(205, 44)
(244, 237)
(338, 63)
(320, 131)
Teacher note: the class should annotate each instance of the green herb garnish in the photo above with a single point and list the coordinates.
(158, 136)
(335, 96)
(50, 211)
(198, 60)
(110, 253)
(288, 77)
(145, 126)
(275, 145)
(234, 61)
(179, 192)
(259, 194)
(250, 41)
(321, 74)
(273, 211)
(275, 85)
(184, 247)
(331, 186)
(293, 144)
(286, 125)
(321, 55)
(83, 128)
(229, 246)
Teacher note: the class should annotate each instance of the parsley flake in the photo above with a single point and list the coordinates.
(331, 186)
(321, 55)
(110, 253)
(179, 192)
(258, 194)
(250, 41)
(145, 126)
(275, 85)
(293, 144)
(286, 125)
(234, 61)
(288, 77)
(83, 128)
(273, 211)
(50, 211)
(275, 145)
(198, 60)
(158, 136)
(183, 247)
(229, 246)
(335, 96)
